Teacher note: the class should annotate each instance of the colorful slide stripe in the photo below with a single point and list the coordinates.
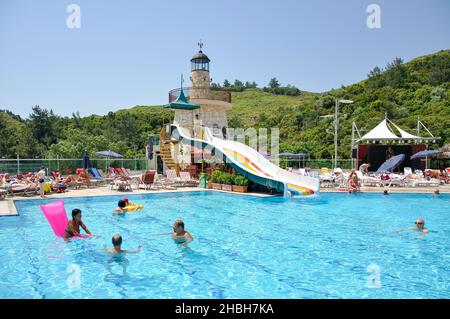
(244, 161)
(252, 167)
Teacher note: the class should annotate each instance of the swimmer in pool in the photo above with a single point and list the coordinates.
(179, 235)
(420, 227)
(117, 249)
(73, 226)
(120, 209)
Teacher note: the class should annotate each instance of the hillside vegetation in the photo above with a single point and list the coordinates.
(403, 91)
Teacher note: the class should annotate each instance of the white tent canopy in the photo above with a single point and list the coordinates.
(382, 132)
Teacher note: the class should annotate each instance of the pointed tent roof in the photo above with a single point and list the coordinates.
(182, 103)
(403, 133)
(380, 132)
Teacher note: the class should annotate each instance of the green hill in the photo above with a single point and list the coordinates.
(405, 91)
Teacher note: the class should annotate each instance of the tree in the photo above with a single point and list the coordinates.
(226, 83)
(274, 83)
(43, 124)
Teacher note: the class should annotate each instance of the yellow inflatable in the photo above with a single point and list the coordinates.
(133, 207)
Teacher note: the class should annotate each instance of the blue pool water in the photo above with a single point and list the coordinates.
(327, 246)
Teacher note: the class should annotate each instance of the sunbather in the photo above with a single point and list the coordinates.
(41, 178)
(353, 181)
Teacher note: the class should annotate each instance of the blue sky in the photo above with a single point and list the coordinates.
(132, 52)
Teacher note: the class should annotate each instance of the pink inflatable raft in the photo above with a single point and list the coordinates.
(57, 218)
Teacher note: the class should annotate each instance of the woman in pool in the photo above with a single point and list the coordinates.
(179, 235)
(73, 226)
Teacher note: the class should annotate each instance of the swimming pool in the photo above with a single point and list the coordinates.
(326, 246)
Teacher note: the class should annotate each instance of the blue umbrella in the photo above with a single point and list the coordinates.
(109, 154)
(300, 155)
(425, 153)
(86, 161)
(391, 164)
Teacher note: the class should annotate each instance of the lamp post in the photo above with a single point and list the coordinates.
(336, 127)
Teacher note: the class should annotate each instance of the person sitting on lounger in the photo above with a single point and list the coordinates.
(73, 226)
(420, 227)
(364, 168)
(179, 235)
(117, 247)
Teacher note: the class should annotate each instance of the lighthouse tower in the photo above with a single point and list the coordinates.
(198, 105)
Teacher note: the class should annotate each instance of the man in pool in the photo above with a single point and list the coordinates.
(179, 235)
(117, 247)
(73, 226)
(420, 227)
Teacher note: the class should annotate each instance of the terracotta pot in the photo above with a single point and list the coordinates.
(226, 187)
(209, 185)
(240, 189)
(216, 186)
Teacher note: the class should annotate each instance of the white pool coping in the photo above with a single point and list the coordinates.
(8, 208)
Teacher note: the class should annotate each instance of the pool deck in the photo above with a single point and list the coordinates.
(8, 208)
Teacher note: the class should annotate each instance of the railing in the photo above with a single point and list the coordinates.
(315, 163)
(206, 92)
(67, 166)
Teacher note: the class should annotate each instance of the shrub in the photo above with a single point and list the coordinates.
(216, 176)
(227, 179)
(240, 180)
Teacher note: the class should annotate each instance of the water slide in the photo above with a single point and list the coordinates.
(250, 163)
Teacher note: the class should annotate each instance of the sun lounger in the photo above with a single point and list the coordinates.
(186, 179)
(149, 180)
(366, 180)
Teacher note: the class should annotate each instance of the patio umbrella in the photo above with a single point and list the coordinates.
(108, 155)
(86, 161)
(391, 164)
(291, 155)
(265, 154)
(426, 153)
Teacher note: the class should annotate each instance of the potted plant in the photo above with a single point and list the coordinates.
(240, 184)
(216, 179)
(227, 182)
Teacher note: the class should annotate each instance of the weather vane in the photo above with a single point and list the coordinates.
(200, 44)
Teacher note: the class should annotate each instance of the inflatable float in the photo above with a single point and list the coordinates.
(133, 207)
(57, 218)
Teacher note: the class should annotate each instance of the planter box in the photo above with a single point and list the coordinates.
(226, 187)
(209, 185)
(240, 189)
(216, 186)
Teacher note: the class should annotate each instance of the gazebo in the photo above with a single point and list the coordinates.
(386, 140)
